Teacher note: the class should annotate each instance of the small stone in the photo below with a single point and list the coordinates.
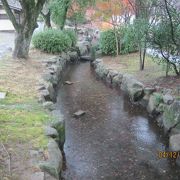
(79, 113)
(68, 82)
(2, 95)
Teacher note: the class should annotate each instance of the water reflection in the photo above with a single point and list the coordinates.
(115, 139)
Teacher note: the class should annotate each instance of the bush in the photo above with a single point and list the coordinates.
(52, 41)
(72, 36)
(108, 42)
(129, 43)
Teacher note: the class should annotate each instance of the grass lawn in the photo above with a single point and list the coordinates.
(22, 118)
(152, 75)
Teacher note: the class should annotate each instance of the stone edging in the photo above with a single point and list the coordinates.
(161, 105)
(51, 78)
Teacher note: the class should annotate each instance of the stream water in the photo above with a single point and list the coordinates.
(114, 140)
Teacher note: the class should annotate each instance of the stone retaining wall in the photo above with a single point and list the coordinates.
(161, 105)
(55, 131)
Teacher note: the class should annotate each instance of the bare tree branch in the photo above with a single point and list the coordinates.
(10, 14)
(171, 21)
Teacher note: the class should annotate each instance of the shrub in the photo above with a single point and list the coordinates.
(108, 42)
(129, 43)
(72, 36)
(52, 41)
(126, 40)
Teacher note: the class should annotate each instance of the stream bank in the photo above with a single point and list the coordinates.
(115, 139)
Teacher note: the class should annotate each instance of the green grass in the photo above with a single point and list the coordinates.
(129, 63)
(22, 120)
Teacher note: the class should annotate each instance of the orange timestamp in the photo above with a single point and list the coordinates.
(168, 154)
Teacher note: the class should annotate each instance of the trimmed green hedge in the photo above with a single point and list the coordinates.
(54, 41)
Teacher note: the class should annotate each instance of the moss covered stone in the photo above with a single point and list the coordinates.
(171, 117)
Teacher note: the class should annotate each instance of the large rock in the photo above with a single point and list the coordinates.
(154, 101)
(45, 95)
(59, 125)
(73, 56)
(171, 117)
(49, 105)
(133, 87)
(168, 99)
(56, 69)
(95, 63)
(50, 61)
(48, 76)
(84, 47)
(117, 80)
(174, 142)
(62, 61)
(144, 101)
(111, 75)
(148, 91)
(54, 163)
(65, 56)
(51, 91)
(51, 132)
(101, 71)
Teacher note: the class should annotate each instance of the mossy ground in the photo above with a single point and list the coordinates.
(22, 118)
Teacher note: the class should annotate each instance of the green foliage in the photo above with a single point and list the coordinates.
(59, 10)
(53, 41)
(128, 42)
(158, 98)
(72, 36)
(165, 36)
(93, 53)
(22, 120)
(78, 17)
(126, 38)
(108, 42)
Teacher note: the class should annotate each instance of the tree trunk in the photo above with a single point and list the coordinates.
(167, 68)
(47, 19)
(140, 58)
(144, 57)
(22, 43)
(117, 44)
(75, 26)
(24, 28)
(64, 17)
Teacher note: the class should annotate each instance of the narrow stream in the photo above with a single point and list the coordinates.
(114, 140)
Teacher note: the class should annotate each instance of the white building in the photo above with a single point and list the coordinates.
(5, 23)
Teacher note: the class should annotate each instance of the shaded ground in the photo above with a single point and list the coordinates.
(153, 75)
(21, 117)
(114, 140)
